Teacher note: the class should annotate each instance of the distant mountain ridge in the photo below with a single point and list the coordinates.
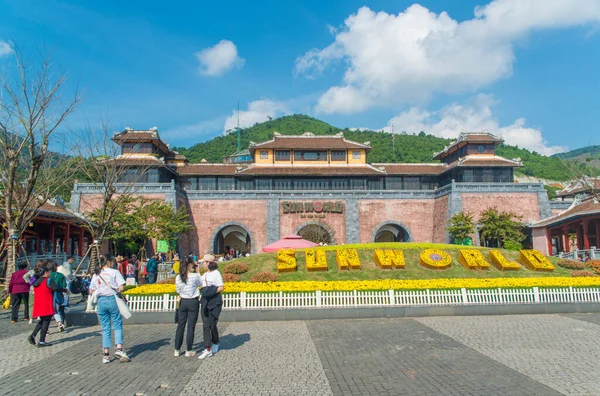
(386, 147)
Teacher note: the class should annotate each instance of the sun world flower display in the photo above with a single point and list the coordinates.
(316, 260)
(500, 262)
(286, 260)
(383, 284)
(435, 259)
(347, 259)
(535, 261)
(472, 259)
(388, 258)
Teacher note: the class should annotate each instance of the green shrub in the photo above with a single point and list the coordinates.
(231, 277)
(571, 264)
(264, 277)
(235, 268)
(579, 274)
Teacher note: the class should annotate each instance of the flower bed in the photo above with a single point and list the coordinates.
(435, 259)
(316, 260)
(385, 284)
(535, 261)
(388, 258)
(500, 262)
(347, 259)
(595, 266)
(570, 264)
(472, 259)
(286, 260)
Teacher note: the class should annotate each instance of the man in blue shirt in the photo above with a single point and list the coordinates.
(152, 269)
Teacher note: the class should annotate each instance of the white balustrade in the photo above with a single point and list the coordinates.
(382, 298)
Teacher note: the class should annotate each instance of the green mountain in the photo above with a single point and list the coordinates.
(584, 152)
(386, 147)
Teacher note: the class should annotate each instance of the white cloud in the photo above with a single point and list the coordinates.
(258, 111)
(5, 49)
(407, 57)
(215, 61)
(475, 116)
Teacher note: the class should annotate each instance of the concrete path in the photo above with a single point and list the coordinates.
(484, 355)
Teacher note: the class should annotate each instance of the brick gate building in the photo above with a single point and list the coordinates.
(289, 183)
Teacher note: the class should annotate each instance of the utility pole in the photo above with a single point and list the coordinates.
(239, 145)
(393, 139)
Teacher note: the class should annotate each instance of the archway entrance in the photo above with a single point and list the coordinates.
(391, 232)
(233, 237)
(317, 233)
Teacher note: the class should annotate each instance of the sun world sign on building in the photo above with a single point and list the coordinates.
(312, 209)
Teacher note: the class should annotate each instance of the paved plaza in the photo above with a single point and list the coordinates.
(476, 355)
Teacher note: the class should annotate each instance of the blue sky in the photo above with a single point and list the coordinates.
(524, 69)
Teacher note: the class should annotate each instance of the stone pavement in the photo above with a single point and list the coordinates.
(477, 355)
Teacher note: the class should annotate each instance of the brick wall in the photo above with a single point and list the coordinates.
(524, 204)
(208, 216)
(290, 222)
(440, 214)
(415, 214)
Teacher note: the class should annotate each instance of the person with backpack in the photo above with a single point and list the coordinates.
(43, 306)
(210, 305)
(58, 284)
(187, 284)
(106, 283)
(18, 288)
(152, 269)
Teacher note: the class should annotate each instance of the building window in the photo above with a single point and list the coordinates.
(393, 183)
(207, 183)
(263, 184)
(282, 155)
(226, 183)
(339, 184)
(356, 155)
(412, 183)
(310, 155)
(283, 184)
(264, 154)
(338, 155)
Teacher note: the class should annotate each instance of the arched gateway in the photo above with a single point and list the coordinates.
(391, 231)
(234, 236)
(316, 232)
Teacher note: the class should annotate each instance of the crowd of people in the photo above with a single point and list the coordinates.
(199, 295)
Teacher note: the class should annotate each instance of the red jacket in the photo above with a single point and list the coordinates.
(17, 283)
(43, 298)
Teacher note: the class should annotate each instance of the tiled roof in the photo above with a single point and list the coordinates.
(468, 137)
(139, 160)
(485, 160)
(590, 206)
(309, 141)
(48, 209)
(412, 169)
(580, 186)
(297, 170)
(207, 169)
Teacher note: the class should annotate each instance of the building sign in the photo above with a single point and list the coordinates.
(312, 209)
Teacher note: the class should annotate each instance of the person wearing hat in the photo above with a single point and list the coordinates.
(210, 305)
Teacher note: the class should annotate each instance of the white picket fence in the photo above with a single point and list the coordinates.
(384, 298)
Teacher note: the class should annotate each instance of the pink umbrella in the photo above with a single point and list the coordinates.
(289, 242)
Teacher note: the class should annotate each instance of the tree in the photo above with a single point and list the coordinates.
(32, 110)
(461, 226)
(110, 171)
(166, 223)
(502, 228)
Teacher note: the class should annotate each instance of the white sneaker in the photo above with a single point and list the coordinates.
(205, 354)
(106, 359)
(122, 356)
(215, 348)
(176, 353)
(190, 353)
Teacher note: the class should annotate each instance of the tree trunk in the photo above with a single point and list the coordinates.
(10, 263)
(94, 257)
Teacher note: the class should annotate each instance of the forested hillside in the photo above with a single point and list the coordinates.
(402, 148)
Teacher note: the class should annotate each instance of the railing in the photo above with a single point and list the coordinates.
(59, 258)
(383, 298)
(592, 254)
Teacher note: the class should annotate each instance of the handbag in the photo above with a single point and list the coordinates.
(121, 301)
